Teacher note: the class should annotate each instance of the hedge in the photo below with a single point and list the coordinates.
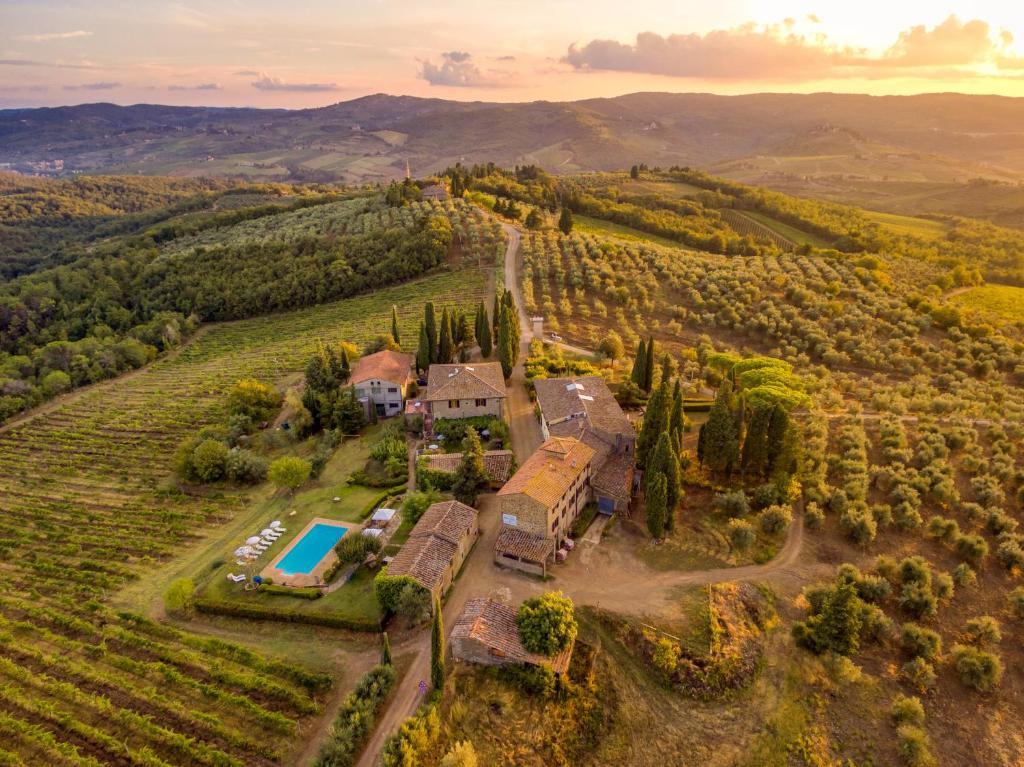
(380, 498)
(387, 588)
(259, 612)
(439, 480)
(288, 591)
(356, 718)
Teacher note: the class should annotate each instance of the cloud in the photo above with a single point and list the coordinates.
(33, 63)
(92, 87)
(246, 73)
(778, 52)
(457, 70)
(268, 83)
(504, 58)
(201, 87)
(47, 36)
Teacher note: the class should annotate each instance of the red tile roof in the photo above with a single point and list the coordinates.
(386, 365)
(493, 624)
(550, 471)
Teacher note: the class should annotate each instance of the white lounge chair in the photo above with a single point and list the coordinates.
(261, 547)
(236, 578)
(271, 536)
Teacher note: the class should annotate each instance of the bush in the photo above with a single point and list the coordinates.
(254, 611)
(180, 595)
(289, 472)
(1010, 554)
(983, 631)
(733, 504)
(666, 656)
(418, 502)
(353, 549)
(919, 673)
(920, 642)
(253, 399)
(918, 599)
(209, 460)
(533, 680)
(964, 575)
(971, 547)
(858, 524)
(389, 590)
(462, 753)
(741, 534)
(907, 710)
(547, 624)
(1016, 601)
(245, 467)
(977, 668)
(914, 746)
(813, 516)
(289, 591)
(775, 519)
(835, 624)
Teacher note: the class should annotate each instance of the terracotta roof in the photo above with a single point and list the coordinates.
(494, 625)
(551, 470)
(519, 543)
(383, 366)
(479, 380)
(424, 559)
(497, 463)
(615, 476)
(450, 520)
(565, 402)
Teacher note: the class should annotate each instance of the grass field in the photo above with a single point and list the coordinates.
(999, 304)
(787, 231)
(908, 225)
(600, 226)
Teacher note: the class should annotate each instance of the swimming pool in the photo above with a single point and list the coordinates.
(310, 549)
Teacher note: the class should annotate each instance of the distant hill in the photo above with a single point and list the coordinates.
(787, 141)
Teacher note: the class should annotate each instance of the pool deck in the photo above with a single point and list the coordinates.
(315, 576)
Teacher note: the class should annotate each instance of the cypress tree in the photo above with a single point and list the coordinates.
(755, 443)
(665, 464)
(423, 350)
(668, 367)
(437, 648)
(430, 321)
(655, 420)
(507, 349)
(677, 419)
(496, 313)
(484, 337)
(385, 651)
(656, 505)
(639, 360)
(394, 325)
(453, 329)
(344, 366)
(470, 475)
(479, 320)
(776, 438)
(565, 221)
(649, 366)
(720, 437)
(446, 345)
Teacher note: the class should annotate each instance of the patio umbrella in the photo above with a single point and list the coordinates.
(252, 540)
(276, 523)
(243, 551)
(266, 531)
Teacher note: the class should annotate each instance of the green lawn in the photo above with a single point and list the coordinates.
(999, 304)
(908, 225)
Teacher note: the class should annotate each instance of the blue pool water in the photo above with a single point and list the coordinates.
(314, 545)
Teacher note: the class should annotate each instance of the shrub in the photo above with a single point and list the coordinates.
(418, 502)
(289, 472)
(775, 519)
(1016, 600)
(946, 530)
(533, 680)
(353, 549)
(907, 710)
(920, 642)
(462, 753)
(971, 547)
(859, 525)
(918, 599)
(413, 603)
(977, 668)
(814, 516)
(944, 586)
(733, 504)
(836, 626)
(666, 656)
(546, 623)
(244, 466)
(983, 631)
(388, 589)
(741, 534)
(1010, 554)
(919, 673)
(180, 595)
(253, 399)
(209, 460)
(964, 575)
(914, 746)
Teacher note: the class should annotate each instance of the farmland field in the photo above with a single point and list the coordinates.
(909, 225)
(85, 685)
(1000, 304)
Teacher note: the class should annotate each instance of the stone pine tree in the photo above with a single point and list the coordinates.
(508, 350)
(430, 323)
(719, 439)
(754, 457)
(664, 463)
(437, 652)
(656, 505)
(470, 475)
(648, 384)
(636, 375)
(385, 650)
(565, 221)
(423, 350)
(483, 333)
(655, 420)
(394, 325)
(445, 344)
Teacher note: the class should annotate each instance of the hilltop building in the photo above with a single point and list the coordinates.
(465, 390)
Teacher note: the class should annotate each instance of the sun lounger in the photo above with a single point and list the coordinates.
(236, 578)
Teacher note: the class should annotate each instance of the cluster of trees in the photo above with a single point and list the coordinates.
(327, 403)
(506, 330)
(659, 452)
(219, 452)
(450, 337)
(547, 623)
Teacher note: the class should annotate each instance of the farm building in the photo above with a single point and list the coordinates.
(434, 192)
(497, 463)
(437, 546)
(465, 391)
(381, 381)
(487, 633)
(543, 500)
(584, 408)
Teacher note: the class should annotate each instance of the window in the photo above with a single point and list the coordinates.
(453, 403)
(392, 390)
(554, 524)
(481, 403)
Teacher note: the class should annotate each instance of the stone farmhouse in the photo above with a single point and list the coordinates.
(497, 463)
(585, 409)
(382, 380)
(487, 633)
(465, 390)
(437, 546)
(541, 501)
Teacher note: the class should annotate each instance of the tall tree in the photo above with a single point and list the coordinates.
(668, 367)
(481, 317)
(720, 438)
(665, 463)
(508, 351)
(344, 366)
(464, 333)
(649, 366)
(470, 475)
(394, 325)
(430, 322)
(423, 350)
(446, 344)
(453, 329)
(634, 172)
(496, 312)
(655, 421)
(483, 335)
(385, 650)
(657, 508)
(777, 428)
(639, 360)
(677, 419)
(565, 221)
(437, 651)
(755, 442)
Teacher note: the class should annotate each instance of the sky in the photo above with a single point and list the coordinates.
(305, 53)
